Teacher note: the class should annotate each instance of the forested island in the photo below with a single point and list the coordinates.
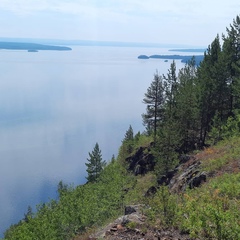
(31, 47)
(179, 179)
(184, 59)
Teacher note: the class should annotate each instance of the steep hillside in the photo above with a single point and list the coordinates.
(178, 209)
(199, 199)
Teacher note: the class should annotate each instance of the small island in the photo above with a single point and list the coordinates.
(143, 57)
(31, 47)
(32, 50)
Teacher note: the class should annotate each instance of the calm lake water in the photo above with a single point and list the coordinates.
(54, 107)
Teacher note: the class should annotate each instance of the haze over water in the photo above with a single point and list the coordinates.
(54, 107)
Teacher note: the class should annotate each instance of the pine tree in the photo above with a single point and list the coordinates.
(95, 164)
(154, 99)
(129, 134)
(231, 51)
(29, 215)
(167, 139)
(62, 189)
(187, 113)
(128, 140)
(212, 89)
(165, 149)
(171, 83)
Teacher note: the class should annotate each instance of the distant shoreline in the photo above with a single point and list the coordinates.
(31, 47)
(97, 43)
(200, 50)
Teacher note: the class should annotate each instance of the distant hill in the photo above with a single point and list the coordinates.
(31, 47)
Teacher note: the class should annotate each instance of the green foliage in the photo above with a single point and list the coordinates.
(142, 140)
(213, 89)
(78, 208)
(232, 127)
(216, 157)
(231, 47)
(171, 88)
(211, 211)
(130, 145)
(154, 99)
(95, 164)
(63, 188)
(225, 131)
(29, 215)
(164, 207)
(129, 134)
(131, 225)
(128, 140)
(186, 116)
(137, 188)
(164, 150)
(208, 212)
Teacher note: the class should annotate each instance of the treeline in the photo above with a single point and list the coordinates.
(189, 109)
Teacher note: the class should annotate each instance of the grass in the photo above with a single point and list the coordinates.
(222, 157)
(142, 184)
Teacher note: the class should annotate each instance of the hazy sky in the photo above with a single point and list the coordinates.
(194, 22)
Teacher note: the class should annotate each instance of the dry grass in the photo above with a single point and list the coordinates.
(220, 159)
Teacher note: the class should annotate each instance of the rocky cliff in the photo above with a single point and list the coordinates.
(188, 173)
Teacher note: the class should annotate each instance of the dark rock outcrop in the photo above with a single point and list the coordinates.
(165, 179)
(189, 175)
(142, 161)
(185, 175)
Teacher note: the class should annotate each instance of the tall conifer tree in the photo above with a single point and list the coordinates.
(167, 133)
(128, 140)
(95, 164)
(212, 88)
(231, 51)
(154, 99)
(187, 116)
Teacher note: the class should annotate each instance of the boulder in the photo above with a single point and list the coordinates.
(129, 210)
(150, 192)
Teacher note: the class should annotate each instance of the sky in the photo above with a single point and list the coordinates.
(190, 22)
